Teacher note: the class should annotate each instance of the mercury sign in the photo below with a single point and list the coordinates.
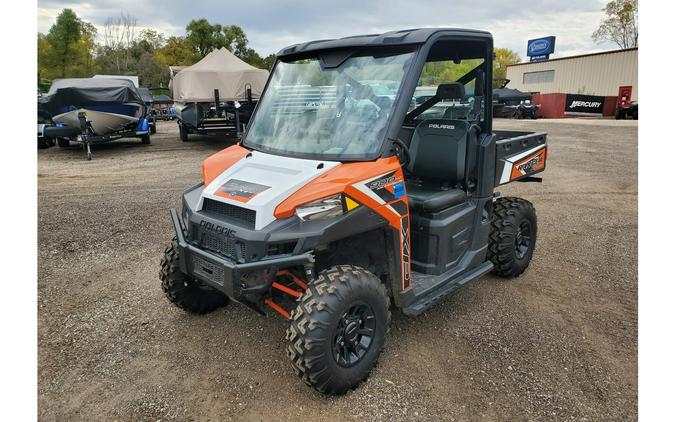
(540, 48)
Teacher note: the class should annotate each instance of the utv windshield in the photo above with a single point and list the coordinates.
(333, 113)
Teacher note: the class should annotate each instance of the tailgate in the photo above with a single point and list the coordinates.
(519, 155)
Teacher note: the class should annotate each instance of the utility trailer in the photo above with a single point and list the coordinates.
(85, 135)
(331, 213)
(217, 117)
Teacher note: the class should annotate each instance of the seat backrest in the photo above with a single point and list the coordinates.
(438, 150)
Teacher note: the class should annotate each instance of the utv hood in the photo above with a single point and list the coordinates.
(260, 182)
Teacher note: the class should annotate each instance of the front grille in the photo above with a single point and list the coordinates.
(219, 243)
(230, 212)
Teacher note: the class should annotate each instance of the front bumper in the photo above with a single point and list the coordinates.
(226, 275)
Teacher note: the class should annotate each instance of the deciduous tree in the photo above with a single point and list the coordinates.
(204, 37)
(503, 58)
(620, 24)
(67, 49)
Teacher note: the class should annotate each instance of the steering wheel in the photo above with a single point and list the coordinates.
(402, 151)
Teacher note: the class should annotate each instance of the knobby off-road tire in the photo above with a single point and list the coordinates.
(344, 304)
(513, 236)
(184, 291)
(182, 132)
(43, 143)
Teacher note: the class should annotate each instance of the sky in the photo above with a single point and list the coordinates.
(271, 25)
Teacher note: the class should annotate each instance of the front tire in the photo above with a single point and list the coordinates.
(338, 328)
(513, 236)
(184, 291)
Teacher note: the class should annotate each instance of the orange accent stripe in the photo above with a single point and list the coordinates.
(278, 309)
(335, 181)
(286, 289)
(295, 279)
(221, 161)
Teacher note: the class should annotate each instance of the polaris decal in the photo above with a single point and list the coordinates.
(240, 190)
(217, 228)
(440, 126)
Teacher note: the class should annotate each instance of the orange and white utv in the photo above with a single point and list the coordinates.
(364, 180)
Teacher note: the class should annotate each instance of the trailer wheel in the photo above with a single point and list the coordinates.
(43, 143)
(338, 329)
(513, 236)
(145, 139)
(63, 142)
(184, 291)
(153, 129)
(183, 132)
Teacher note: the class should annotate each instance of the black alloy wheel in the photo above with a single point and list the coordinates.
(523, 239)
(354, 334)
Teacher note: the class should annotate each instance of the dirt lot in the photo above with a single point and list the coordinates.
(559, 343)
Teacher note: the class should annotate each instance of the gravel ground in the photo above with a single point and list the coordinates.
(558, 343)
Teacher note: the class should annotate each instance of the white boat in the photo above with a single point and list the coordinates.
(102, 122)
(111, 104)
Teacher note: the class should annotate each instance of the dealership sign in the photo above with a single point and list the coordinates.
(540, 48)
(584, 105)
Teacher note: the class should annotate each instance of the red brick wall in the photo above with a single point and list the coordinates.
(552, 105)
(609, 106)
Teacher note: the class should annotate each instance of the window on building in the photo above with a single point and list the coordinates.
(538, 77)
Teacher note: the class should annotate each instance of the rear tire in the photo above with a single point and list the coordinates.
(513, 236)
(337, 330)
(183, 132)
(184, 291)
(63, 142)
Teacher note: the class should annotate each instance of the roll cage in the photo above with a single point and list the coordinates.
(428, 45)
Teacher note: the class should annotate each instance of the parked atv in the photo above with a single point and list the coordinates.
(627, 111)
(527, 110)
(339, 203)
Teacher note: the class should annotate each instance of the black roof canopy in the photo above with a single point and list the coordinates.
(392, 38)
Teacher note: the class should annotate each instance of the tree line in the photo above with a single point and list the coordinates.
(74, 48)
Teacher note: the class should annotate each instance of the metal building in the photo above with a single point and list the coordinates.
(589, 74)
(609, 74)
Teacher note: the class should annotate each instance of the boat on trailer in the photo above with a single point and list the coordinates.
(94, 110)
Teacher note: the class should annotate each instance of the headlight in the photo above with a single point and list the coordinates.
(332, 206)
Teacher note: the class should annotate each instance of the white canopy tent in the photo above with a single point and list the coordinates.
(220, 70)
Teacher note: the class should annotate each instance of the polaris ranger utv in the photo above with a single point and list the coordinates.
(348, 195)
